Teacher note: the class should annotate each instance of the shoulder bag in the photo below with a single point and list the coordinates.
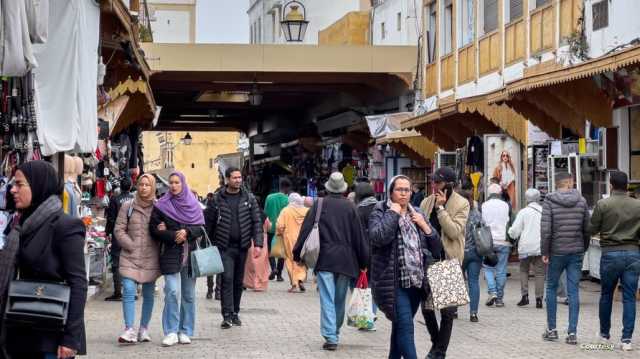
(206, 260)
(37, 304)
(311, 248)
(483, 239)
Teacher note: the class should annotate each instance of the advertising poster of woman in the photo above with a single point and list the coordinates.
(502, 162)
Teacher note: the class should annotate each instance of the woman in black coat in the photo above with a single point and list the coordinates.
(51, 248)
(402, 242)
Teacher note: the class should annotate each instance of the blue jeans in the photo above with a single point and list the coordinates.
(402, 334)
(572, 264)
(623, 266)
(129, 289)
(471, 268)
(179, 288)
(333, 294)
(497, 276)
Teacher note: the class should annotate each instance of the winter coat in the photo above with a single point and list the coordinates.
(171, 253)
(219, 220)
(385, 271)
(453, 221)
(364, 213)
(565, 224)
(140, 255)
(617, 220)
(527, 227)
(62, 262)
(496, 214)
(343, 249)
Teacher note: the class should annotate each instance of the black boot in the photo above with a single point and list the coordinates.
(524, 301)
(539, 303)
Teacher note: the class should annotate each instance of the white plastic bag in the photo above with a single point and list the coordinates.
(360, 314)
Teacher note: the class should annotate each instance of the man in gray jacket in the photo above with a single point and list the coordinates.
(565, 238)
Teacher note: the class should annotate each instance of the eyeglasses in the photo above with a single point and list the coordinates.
(402, 190)
(18, 184)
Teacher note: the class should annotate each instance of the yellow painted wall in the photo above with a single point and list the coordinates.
(204, 146)
(351, 29)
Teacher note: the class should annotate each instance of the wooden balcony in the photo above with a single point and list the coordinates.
(570, 13)
(447, 69)
(431, 80)
(515, 42)
(490, 52)
(466, 64)
(542, 29)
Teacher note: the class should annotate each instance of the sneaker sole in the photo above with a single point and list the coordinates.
(126, 342)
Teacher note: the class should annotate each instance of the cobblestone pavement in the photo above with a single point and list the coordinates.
(278, 324)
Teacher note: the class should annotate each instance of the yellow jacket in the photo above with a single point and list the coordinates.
(453, 220)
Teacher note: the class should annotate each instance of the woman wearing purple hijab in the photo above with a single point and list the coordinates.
(177, 222)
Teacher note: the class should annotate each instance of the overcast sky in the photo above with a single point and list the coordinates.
(222, 21)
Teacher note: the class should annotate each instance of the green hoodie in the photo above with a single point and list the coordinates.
(617, 220)
(273, 205)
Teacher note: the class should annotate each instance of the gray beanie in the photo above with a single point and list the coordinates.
(532, 195)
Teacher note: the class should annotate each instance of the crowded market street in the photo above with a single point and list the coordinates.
(285, 325)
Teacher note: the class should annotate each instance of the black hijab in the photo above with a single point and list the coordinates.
(44, 182)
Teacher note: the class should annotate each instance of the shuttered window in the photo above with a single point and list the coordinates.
(600, 15)
(490, 15)
(542, 2)
(515, 10)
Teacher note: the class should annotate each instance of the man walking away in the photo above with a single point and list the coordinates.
(527, 228)
(496, 213)
(233, 220)
(617, 220)
(112, 214)
(344, 252)
(565, 239)
(448, 213)
(274, 204)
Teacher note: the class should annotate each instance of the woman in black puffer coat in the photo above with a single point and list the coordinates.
(402, 242)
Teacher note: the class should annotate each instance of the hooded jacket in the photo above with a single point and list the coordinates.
(565, 224)
(527, 228)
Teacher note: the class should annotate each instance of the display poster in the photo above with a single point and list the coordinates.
(502, 162)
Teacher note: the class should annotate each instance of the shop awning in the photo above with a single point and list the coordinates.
(451, 124)
(139, 107)
(411, 143)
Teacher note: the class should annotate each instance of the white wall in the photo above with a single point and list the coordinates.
(320, 14)
(387, 12)
(171, 26)
(624, 26)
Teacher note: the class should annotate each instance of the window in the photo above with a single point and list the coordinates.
(251, 34)
(600, 12)
(431, 34)
(273, 27)
(210, 163)
(466, 28)
(490, 15)
(399, 21)
(541, 3)
(193, 165)
(259, 37)
(447, 42)
(515, 10)
(382, 31)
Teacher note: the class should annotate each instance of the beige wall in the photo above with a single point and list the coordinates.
(351, 29)
(205, 146)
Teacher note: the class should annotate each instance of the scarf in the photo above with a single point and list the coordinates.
(146, 201)
(409, 251)
(183, 208)
(44, 183)
(296, 200)
(367, 202)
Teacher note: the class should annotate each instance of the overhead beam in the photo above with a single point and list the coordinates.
(536, 116)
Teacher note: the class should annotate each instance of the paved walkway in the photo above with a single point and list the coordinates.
(278, 324)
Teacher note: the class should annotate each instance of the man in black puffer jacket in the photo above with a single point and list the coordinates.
(565, 238)
(233, 220)
(112, 214)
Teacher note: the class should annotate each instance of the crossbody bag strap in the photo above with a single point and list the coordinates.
(318, 212)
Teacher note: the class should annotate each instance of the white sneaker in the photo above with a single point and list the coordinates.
(602, 339)
(143, 335)
(626, 346)
(128, 337)
(184, 339)
(170, 340)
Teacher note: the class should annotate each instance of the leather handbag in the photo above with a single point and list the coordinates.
(206, 260)
(483, 239)
(448, 288)
(311, 248)
(37, 304)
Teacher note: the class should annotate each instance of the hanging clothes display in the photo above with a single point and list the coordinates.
(475, 153)
(16, 52)
(67, 76)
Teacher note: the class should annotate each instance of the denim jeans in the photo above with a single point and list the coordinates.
(497, 276)
(179, 318)
(572, 264)
(614, 266)
(333, 294)
(129, 289)
(402, 333)
(471, 268)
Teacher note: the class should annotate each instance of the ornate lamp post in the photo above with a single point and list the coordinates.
(294, 23)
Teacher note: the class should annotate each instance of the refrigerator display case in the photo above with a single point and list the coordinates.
(589, 179)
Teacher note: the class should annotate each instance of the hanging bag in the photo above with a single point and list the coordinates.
(311, 248)
(37, 304)
(257, 269)
(206, 261)
(448, 288)
(360, 314)
(277, 248)
(484, 240)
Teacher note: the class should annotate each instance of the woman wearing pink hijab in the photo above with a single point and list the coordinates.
(177, 222)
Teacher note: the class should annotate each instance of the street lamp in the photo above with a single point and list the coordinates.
(255, 96)
(294, 23)
(187, 139)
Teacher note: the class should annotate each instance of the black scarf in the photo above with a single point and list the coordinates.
(44, 183)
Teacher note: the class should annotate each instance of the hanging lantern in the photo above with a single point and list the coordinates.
(294, 23)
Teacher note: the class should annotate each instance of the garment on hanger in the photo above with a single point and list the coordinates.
(475, 181)
(475, 153)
